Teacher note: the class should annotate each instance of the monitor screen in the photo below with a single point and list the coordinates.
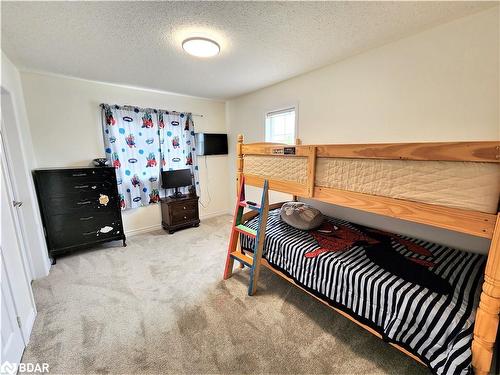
(176, 179)
(211, 144)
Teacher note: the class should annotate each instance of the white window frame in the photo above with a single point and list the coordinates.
(284, 108)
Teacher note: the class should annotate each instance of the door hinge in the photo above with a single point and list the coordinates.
(17, 203)
(18, 321)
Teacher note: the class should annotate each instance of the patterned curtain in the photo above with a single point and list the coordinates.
(133, 148)
(177, 144)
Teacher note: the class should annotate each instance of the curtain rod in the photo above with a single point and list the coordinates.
(126, 106)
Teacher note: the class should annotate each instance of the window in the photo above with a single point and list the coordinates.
(141, 143)
(281, 126)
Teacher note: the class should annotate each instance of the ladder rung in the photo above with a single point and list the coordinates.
(246, 230)
(240, 257)
(252, 207)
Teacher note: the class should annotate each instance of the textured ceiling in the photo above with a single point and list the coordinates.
(139, 43)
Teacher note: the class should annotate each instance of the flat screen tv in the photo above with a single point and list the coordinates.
(211, 144)
(175, 180)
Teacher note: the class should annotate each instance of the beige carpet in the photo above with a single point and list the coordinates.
(160, 306)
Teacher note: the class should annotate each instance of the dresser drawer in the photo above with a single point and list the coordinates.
(75, 230)
(82, 203)
(78, 188)
(60, 241)
(76, 175)
(60, 183)
(81, 175)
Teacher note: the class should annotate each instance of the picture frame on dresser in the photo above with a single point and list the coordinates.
(80, 208)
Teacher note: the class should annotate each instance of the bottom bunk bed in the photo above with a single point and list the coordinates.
(415, 294)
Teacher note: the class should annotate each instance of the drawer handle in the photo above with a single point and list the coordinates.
(86, 218)
(184, 207)
(81, 186)
(88, 233)
(79, 174)
(185, 217)
(84, 202)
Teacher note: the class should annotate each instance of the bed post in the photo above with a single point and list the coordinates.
(311, 171)
(298, 142)
(239, 175)
(239, 161)
(486, 326)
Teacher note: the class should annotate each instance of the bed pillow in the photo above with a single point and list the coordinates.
(301, 216)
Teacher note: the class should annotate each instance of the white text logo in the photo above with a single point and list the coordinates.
(8, 368)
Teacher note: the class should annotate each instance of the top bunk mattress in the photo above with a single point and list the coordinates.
(420, 295)
(466, 185)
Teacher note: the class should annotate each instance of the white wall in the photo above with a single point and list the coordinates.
(66, 128)
(15, 130)
(439, 85)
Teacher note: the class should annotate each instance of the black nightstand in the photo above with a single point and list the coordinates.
(179, 213)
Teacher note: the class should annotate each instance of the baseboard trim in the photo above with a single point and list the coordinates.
(135, 232)
(151, 228)
(27, 325)
(213, 214)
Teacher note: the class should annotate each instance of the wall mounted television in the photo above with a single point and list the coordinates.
(211, 144)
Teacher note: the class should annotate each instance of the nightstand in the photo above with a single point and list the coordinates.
(179, 213)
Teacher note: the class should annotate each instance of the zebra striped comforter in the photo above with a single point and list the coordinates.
(437, 328)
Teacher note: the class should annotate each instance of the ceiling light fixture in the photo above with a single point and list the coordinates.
(201, 47)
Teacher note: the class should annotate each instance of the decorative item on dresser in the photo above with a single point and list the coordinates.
(177, 213)
(80, 207)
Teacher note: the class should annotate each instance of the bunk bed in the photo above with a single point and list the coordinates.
(449, 185)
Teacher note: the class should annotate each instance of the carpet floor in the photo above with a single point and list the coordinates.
(160, 306)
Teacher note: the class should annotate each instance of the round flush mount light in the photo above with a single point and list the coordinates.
(201, 47)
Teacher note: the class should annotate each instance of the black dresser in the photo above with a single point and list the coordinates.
(80, 207)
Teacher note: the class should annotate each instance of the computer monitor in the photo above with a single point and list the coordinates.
(175, 180)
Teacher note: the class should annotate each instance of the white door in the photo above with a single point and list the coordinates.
(18, 306)
(12, 339)
(28, 215)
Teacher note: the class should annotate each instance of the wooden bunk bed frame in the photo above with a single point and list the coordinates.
(470, 222)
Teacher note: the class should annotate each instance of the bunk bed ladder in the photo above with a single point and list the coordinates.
(253, 261)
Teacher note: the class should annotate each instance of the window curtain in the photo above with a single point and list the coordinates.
(132, 146)
(177, 143)
(140, 143)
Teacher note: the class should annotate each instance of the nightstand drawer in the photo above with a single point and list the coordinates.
(185, 206)
(184, 215)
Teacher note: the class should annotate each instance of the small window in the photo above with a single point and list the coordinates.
(281, 126)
